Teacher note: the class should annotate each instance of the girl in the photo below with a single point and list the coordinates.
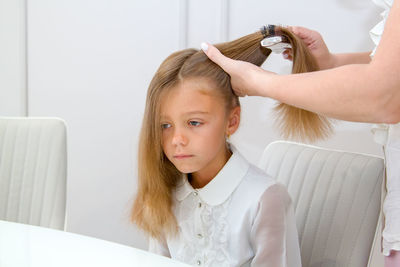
(199, 200)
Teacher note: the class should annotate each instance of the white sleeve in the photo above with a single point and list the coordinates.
(159, 247)
(273, 234)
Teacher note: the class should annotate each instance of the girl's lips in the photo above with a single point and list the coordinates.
(182, 156)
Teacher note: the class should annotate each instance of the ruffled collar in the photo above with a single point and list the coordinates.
(386, 4)
(377, 31)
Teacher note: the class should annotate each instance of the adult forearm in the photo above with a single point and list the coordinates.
(350, 58)
(351, 92)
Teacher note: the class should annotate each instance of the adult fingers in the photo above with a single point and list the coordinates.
(287, 54)
(308, 36)
(216, 56)
(300, 31)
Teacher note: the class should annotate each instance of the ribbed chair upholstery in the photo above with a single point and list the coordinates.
(33, 164)
(336, 197)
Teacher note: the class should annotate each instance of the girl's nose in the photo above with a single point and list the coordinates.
(179, 139)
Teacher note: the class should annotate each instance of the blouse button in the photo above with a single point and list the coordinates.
(195, 193)
(199, 235)
(199, 204)
(198, 262)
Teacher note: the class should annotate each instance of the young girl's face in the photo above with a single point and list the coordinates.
(194, 123)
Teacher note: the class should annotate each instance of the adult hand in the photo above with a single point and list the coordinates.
(244, 75)
(315, 44)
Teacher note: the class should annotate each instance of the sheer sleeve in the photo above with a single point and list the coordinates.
(274, 235)
(159, 247)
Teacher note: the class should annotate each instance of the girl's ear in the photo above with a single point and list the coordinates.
(233, 121)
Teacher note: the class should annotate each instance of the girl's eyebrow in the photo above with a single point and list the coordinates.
(197, 112)
(163, 117)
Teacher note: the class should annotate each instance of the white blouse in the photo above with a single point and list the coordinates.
(240, 218)
(389, 137)
(376, 32)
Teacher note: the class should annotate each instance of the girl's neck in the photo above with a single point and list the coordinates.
(203, 177)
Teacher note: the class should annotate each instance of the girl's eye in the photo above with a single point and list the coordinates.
(165, 125)
(195, 123)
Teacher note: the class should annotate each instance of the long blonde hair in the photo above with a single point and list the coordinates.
(158, 177)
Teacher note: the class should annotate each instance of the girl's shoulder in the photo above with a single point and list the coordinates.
(256, 189)
(256, 181)
(258, 176)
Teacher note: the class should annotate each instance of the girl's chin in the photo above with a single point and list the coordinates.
(186, 169)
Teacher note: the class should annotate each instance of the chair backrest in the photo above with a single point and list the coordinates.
(33, 170)
(336, 196)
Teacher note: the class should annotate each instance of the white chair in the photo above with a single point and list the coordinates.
(33, 169)
(336, 196)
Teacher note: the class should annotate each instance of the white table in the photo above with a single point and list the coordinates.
(24, 245)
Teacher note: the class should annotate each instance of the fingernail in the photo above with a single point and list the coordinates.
(204, 47)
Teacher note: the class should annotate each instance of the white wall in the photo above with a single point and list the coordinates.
(12, 58)
(90, 61)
